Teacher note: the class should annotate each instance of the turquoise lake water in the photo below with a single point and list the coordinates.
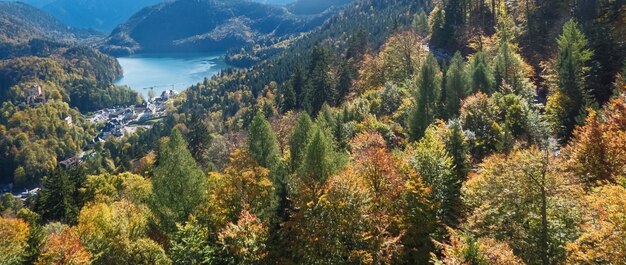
(160, 72)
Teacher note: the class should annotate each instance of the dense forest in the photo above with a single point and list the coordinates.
(397, 132)
(39, 51)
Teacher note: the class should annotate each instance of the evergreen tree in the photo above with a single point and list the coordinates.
(456, 85)
(58, 199)
(438, 35)
(458, 149)
(427, 98)
(262, 142)
(199, 139)
(287, 98)
(320, 160)
(357, 45)
(299, 139)
(568, 105)
(178, 183)
(480, 75)
(263, 146)
(297, 84)
(320, 86)
(345, 80)
(508, 64)
(420, 23)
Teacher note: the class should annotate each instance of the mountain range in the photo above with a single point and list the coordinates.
(212, 25)
(102, 15)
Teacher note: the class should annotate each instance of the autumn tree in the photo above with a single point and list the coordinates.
(567, 105)
(525, 201)
(464, 248)
(13, 240)
(64, 247)
(595, 152)
(603, 229)
(333, 225)
(243, 242)
(108, 230)
(178, 183)
(244, 183)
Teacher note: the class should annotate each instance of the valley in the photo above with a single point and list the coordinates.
(257, 132)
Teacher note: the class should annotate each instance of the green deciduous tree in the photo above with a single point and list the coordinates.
(524, 200)
(433, 163)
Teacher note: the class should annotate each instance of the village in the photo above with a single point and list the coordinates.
(116, 122)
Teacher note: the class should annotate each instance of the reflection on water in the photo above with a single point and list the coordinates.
(160, 72)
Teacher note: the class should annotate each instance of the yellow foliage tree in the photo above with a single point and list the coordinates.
(604, 228)
(13, 240)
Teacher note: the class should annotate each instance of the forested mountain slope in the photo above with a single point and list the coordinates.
(20, 23)
(45, 72)
(398, 132)
(101, 15)
(206, 25)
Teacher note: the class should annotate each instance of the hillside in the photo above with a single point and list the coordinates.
(395, 132)
(205, 25)
(20, 23)
(101, 15)
(308, 7)
(35, 3)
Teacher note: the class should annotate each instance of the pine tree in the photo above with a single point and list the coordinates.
(178, 183)
(567, 106)
(287, 98)
(508, 64)
(199, 140)
(321, 88)
(480, 75)
(456, 85)
(58, 199)
(262, 142)
(297, 84)
(427, 98)
(458, 149)
(320, 160)
(345, 80)
(357, 45)
(299, 138)
(420, 23)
